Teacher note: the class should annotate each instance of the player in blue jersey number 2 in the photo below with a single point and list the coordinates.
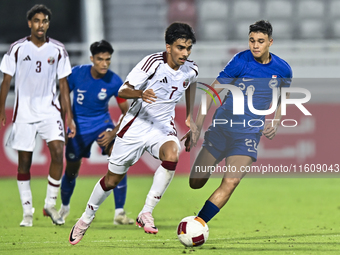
(255, 71)
(93, 86)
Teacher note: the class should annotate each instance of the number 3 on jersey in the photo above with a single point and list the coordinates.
(38, 70)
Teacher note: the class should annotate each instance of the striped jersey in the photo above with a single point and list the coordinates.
(168, 84)
(36, 70)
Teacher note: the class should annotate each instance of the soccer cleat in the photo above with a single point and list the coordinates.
(122, 219)
(27, 219)
(146, 221)
(78, 231)
(54, 215)
(64, 212)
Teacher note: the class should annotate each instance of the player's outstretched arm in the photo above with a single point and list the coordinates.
(201, 117)
(66, 105)
(190, 94)
(128, 91)
(5, 86)
(196, 127)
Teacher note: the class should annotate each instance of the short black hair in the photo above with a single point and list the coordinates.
(262, 26)
(101, 47)
(179, 30)
(39, 8)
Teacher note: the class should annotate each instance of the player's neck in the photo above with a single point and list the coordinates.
(171, 63)
(38, 41)
(95, 74)
(264, 59)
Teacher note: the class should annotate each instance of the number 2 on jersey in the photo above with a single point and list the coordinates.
(173, 91)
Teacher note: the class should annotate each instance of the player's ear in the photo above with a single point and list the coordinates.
(30, 24)
(168, 48)
(271, 41)
(91, 58)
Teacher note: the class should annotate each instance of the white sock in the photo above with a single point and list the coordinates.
(161, 181)
(26, 196)
(65, 207)
(52, 192)
(97, 197)
(118, 211)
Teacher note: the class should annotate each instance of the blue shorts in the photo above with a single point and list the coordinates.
(80, 146)
(222, 144)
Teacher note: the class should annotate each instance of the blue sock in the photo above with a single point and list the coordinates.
(208, 211)
(119, 193)
(66, 189)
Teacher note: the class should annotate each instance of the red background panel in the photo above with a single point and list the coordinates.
(314, 140)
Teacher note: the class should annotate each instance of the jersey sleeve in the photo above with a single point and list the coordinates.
(286, 82)
(143, 70)
(120, 100)
(194, 72)
(64, 65)
(8, 63)
(231, 71)
(71, 78)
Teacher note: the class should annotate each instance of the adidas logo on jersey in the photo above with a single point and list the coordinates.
(27, 58)
(165, 80)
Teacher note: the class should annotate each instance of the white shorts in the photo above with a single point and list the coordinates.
(128, 150)
(22, 137)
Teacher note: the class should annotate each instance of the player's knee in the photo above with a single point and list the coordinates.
(72, 168)
(169, 152)
(57, 155)
(170, 157)
(196, 183)
(109, 182)
(231, 183)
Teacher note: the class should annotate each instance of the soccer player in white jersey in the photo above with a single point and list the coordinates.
(156, 84)
(36, 61)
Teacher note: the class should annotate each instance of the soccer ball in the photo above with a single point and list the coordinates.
(192, 231)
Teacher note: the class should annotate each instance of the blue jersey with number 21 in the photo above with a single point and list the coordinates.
(244, 71)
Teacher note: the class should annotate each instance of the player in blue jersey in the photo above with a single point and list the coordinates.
(93, 86)
(255, 72)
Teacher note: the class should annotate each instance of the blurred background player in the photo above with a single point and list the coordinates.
(93, 86)
(37, 60)
(156, 84)
(255, 71)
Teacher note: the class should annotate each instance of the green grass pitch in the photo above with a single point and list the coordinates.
(264, 216)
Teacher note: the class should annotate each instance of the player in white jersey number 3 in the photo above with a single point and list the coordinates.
(156, 84)
(36, 61)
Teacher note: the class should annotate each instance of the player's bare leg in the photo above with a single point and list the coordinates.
(230, 180)
(23, 180)
(198, 177)
(57, 154)
(168, 154)
(229, 183)
(56, 168)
